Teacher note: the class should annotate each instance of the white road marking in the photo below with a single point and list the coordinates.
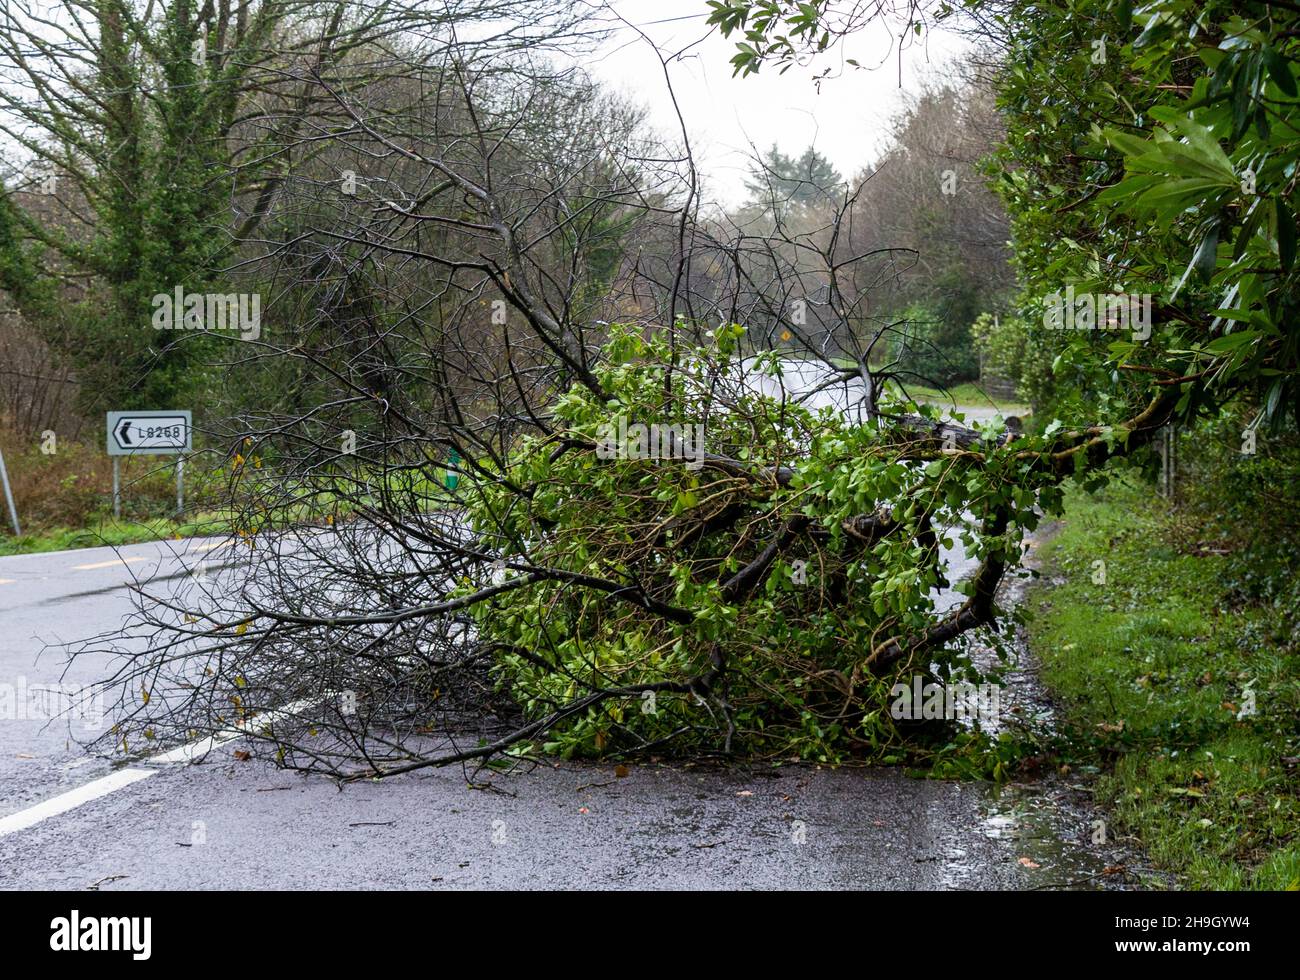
(72, 799)
(213, 547)
(200, 748)
(125, 777)
(108, 564)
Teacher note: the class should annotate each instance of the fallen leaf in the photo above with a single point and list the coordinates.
(745, 792)
(1029, 863)
(243, 756)
(621, 771)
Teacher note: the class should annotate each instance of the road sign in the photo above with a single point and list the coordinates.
(148, 433)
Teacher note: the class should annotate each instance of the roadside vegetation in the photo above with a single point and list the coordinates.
(1179, 682)
(64, 498)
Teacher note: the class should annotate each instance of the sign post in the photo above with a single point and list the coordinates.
(9, 497)
(149, 434)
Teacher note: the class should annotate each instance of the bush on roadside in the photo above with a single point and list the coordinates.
(936, 348)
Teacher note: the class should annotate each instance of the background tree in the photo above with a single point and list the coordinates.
(168, 137)
(780, 185)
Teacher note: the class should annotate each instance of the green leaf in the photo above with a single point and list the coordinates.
(1207, 254)
(1174, 196)
(1231, 342)
(1286, 234)
(1280, 71)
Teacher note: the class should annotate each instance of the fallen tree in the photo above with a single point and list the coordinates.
(736, 570)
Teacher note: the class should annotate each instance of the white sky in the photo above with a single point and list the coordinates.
(725, 115)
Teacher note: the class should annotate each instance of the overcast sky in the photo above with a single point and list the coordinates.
(725, 115)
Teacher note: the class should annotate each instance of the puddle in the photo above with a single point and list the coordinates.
(1053, 836)
(1060, 838)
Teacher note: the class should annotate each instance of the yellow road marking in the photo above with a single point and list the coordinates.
(107, 564)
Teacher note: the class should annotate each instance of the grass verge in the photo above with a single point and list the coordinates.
(110, 532)
(1157, 671)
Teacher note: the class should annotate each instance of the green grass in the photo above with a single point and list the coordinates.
(967, 394)
(110, 532)
(1152, 668)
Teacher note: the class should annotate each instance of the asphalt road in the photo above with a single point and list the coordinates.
(47, 601)
(231, 824)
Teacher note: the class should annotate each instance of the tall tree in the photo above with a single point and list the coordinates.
(781, 185)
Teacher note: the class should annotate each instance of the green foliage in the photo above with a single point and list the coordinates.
(937, 346)
(796, 650)
(1006, 345)
(1240, 497)
(1153, 667)
(774, 30)
(1000, 342)
(143, 142)
(1155, 152)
